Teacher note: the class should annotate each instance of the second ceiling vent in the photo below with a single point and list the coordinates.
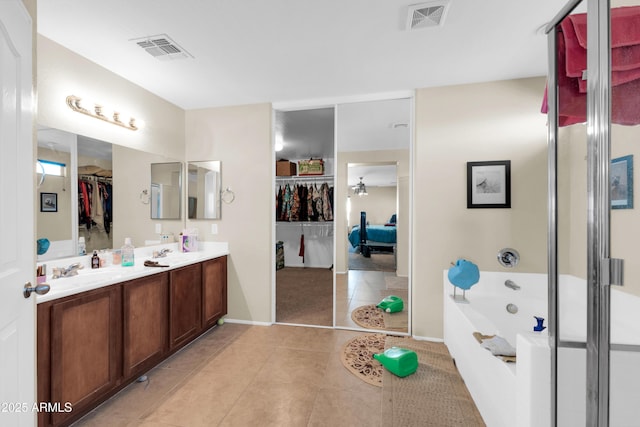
(426, 15)
(162, 47)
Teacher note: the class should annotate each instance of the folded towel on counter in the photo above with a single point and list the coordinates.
(498, 346)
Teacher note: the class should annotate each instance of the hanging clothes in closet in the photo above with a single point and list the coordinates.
(304, 202)
(94, 203)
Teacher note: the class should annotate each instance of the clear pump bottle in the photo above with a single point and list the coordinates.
(127, 253)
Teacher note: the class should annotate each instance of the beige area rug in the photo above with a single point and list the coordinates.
(371, 317)
(304, 296)
(357, 357)
(435, 395)
(397, 283)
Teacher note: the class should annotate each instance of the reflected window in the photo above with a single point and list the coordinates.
(48, 167)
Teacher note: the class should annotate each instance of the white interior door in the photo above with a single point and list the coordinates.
(17, 182)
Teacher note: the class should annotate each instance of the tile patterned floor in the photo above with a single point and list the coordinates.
(358, 288)
(241, 375)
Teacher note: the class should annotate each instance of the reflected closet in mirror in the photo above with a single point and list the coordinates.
(304, 212)
(75, 174)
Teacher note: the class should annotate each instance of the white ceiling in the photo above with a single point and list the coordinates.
(252, 51)
(282, 51)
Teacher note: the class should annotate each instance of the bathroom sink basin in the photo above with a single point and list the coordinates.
(176, 258)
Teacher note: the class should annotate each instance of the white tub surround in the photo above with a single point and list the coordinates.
(506, 394)
(88, 278)
(518, 394)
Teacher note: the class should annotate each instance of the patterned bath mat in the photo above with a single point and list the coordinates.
(371, 317)
(357, 357)
(368, 316)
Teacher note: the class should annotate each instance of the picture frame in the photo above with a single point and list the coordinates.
(489, 184)
(48, 202)
(621, 176)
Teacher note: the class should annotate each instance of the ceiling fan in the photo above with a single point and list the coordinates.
(360, 189)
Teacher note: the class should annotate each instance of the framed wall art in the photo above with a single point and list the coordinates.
(48, 202)
(621, 173)
(489, 184)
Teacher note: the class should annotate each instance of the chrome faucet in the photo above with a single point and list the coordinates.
(161, 253)
(508, 257)
(512, 285)
(69, 271)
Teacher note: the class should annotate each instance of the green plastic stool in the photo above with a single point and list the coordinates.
(398, 361)
(391, 304)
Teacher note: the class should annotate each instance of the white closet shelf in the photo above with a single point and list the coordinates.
(298, 223)
(305, 178)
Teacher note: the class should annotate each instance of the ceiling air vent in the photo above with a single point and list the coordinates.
(162, 47)
(426, 15)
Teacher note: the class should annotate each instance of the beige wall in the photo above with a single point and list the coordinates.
(61, 73)
(379, 204)
(475, 122)
(240, 137)
(132, 217)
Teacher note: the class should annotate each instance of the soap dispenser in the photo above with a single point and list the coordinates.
(95, 260)
(127, 253)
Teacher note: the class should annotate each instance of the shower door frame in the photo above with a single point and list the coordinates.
(601, 268)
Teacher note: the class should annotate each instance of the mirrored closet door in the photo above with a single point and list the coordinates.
(325, 274)
(372, 242)
(304, 216)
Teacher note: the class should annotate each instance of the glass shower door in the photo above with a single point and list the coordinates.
(624, 374)
(594, 294)
(568, 224)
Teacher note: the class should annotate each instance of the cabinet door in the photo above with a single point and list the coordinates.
(86, 344)
(145, 323)
(185, 305)
(214, 290)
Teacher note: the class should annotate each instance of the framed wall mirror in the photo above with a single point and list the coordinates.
(113, 177)
(166, 190)
(204, 189)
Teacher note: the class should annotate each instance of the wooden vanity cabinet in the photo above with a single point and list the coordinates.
(92, 344)
(185, 305)
(84, 362)
(145, 305)
(214, 291)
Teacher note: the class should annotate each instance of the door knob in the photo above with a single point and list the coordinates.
(40, 289)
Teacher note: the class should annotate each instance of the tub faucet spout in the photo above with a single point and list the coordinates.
(512, 285)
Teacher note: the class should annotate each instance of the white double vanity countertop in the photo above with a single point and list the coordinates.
(88, 278)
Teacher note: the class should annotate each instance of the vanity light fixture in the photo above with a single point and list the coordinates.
(98, 111)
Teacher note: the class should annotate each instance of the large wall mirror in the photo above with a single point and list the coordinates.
(372, 191)
(166, 190)
(92, 189)
(203, 190)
